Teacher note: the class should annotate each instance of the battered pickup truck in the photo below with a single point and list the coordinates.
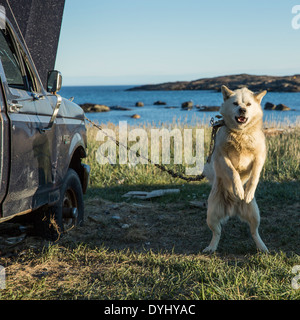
(42, 142)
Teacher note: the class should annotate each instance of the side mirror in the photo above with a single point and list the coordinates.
(54, 81)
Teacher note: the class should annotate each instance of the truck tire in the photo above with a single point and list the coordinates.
(68, 212)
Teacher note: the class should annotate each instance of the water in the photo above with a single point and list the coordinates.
(118, 96)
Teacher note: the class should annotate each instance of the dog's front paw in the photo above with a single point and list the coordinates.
(249, 195)
(238, 191)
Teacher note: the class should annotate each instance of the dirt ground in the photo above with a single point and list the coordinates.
(174, 227)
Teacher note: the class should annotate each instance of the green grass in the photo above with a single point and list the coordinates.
(124, 274)
(283, 160)
(159, 256)
(282, 163)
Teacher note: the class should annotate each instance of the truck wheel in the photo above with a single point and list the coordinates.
(69, 211)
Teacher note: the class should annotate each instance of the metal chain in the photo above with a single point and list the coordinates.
(215, 127)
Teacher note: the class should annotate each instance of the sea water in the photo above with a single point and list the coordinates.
(172, 111)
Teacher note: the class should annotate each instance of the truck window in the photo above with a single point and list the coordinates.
(29, 76)
(10, 62)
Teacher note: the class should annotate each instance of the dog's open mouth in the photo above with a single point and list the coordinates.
(241, 119)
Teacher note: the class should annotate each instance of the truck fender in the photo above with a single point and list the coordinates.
(77, 141)
(77, 151)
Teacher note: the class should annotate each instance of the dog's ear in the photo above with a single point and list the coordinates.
(258, 96)
(226, 92)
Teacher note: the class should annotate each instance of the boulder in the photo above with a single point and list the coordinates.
(139, 104)
(282, 107)
(86, 106)
(135, 116)
(100, 108)
(279, 107)
(91, 107)
(159, 103)
(187, 105)
(119, 108)
(209, 108)
(270, 106)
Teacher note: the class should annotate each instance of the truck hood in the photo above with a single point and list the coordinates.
(70, 109)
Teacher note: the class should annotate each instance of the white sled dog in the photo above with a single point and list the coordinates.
(236, 163)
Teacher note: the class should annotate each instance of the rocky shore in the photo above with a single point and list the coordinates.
(92, 107)
(187, 105)
(252, 82)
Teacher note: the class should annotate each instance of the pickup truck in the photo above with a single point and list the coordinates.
(42, 142)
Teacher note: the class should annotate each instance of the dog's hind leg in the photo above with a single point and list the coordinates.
(250, 213)
(215, 227)
(215, 214)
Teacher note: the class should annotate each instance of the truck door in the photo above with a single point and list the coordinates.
(28, 169)
(4, 142)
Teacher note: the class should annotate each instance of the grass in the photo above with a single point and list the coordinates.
(158, 254)
(125, 275)
(282, 163)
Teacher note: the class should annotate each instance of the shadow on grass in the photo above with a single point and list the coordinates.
(174, 224)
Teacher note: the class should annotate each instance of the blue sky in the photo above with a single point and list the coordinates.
(151, 41)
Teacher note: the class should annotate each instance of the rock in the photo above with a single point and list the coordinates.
(270, 106)
(209, 108)
(279, 107)
(86, 106)
(187, 105)
(282, 107)
(139, 104)
(91, 107)
(135, 116)
(159, 103)
(100, 108)
(119, 108)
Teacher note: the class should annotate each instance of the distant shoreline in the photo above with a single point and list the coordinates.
(252, 82)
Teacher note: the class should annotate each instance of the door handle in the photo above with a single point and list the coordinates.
(15, 107)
